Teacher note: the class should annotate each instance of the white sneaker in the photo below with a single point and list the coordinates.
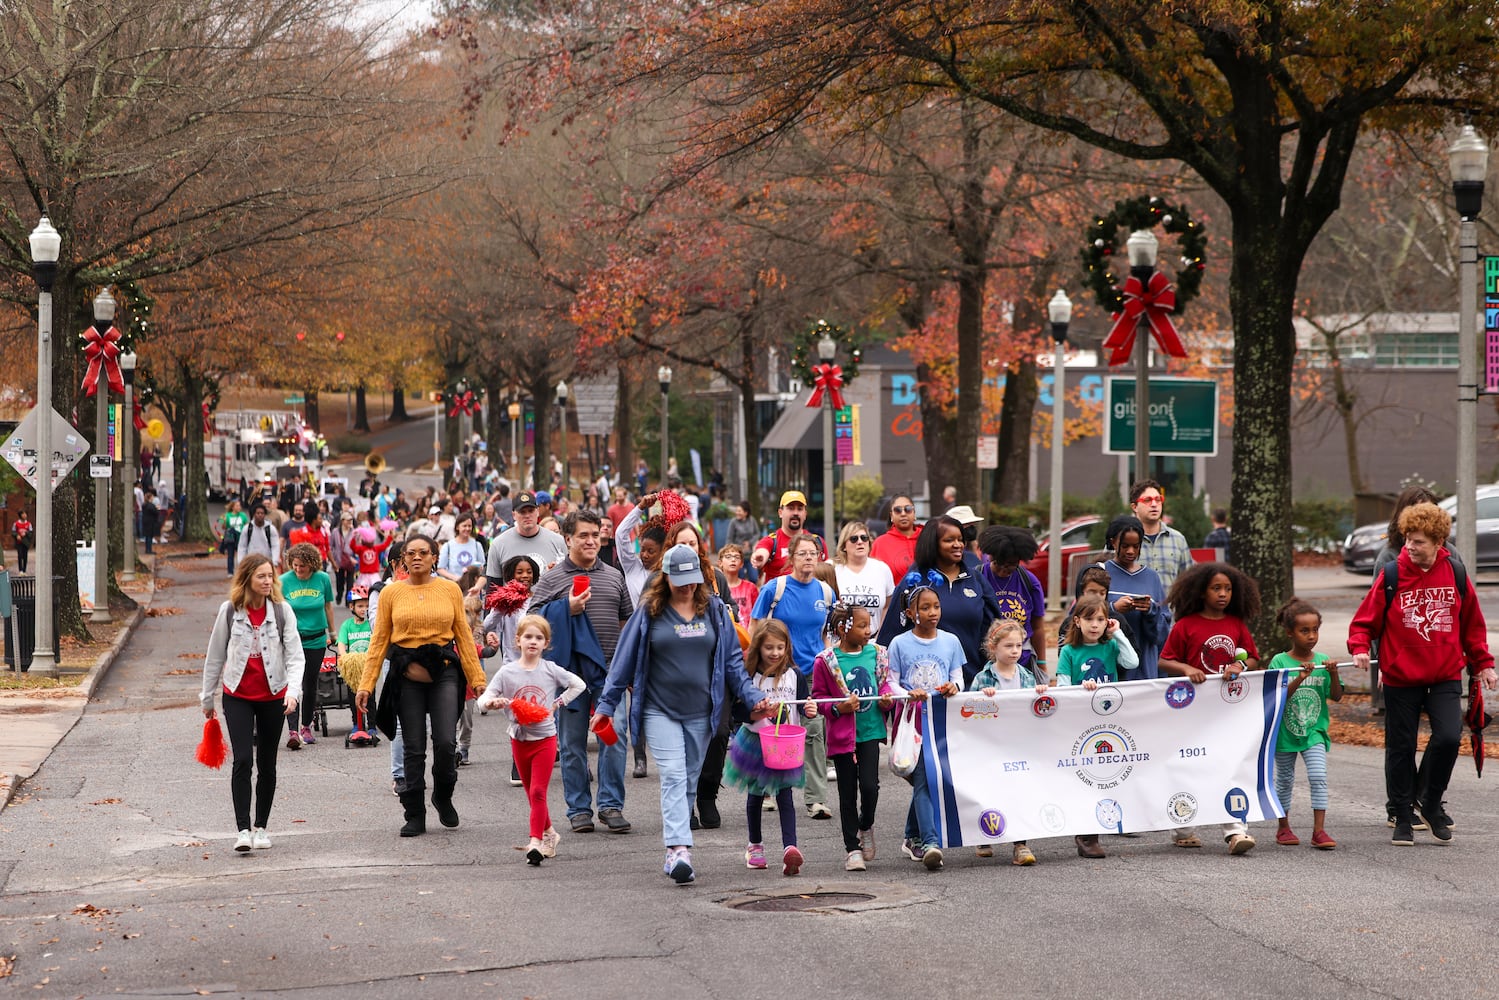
(550, 838)
(855, 862)
(261, 839)
(819, 810)
(244, 841)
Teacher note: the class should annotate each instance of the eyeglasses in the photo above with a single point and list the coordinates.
(858, 538)
(903, 510)
(1158, 499)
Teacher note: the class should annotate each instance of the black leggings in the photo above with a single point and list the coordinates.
(308, 706)
(343, 583)
(753, 805)
(440, 700)
(254, 732)
(863, 780)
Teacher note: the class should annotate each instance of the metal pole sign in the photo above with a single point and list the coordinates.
(67, 447)
(988, 451)
(100, 466)
(1183, 416)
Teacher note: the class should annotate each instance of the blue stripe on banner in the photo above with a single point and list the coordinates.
(1273, 701)
(939, 777)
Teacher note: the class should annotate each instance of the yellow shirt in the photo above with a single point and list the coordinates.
(414, 616)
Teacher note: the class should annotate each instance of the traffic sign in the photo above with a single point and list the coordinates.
(1183, 416)
(68, 447)
(988, 451)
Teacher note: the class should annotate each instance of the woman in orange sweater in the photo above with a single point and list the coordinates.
(422, 629)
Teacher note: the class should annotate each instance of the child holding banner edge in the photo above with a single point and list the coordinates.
(1005, 644)
(1211, 602)
(1304, 724)
(924, 660)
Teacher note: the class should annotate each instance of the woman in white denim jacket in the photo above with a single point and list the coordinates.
(255, 662)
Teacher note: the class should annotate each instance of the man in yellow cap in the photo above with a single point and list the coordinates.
(772, 556)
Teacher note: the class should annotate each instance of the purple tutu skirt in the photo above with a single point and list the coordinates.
(745, 769)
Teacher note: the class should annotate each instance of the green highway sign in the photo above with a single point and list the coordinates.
(1183, 416)
(295, 398)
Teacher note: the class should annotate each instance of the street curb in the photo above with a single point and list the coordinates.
(10, 783)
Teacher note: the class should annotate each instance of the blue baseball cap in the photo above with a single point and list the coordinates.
(682, 565)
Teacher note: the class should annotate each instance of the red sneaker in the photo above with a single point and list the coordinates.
(1286, 837)
(791, 861)
(1322, 841)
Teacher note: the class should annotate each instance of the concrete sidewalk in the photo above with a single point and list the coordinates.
(35, 722)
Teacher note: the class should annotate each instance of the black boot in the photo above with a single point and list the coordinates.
(442, 801)
(416, 814)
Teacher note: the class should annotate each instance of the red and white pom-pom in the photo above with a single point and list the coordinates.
(527, 712)
(211, 749)
(508, 599)
(674, 509)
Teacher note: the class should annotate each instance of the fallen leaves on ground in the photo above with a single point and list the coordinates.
(162, 612)
(106, 802)
(7, 965)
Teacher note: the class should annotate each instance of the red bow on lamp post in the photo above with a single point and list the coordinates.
(464, 402)
(136, 418)
(207, 420)
(102, 351)
(1155, 300)
(826, 378)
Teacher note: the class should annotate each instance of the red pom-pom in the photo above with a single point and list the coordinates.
(674, 509)
(508, 599)
(527, 712)
(211, 749)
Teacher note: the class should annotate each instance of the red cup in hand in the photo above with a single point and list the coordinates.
(604, 730)
(580, 584)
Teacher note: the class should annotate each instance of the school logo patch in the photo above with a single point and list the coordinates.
(1110, 815)
(992, 823)
(1044, 706)
(1234, 691)
(1180, 694)
(1181, 808)
(1107, 699)
(1052, 818)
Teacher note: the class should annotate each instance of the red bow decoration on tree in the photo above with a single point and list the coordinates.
(1155, 300)
(464, 402)
(207, 421)
(829, 379)
(102, 351)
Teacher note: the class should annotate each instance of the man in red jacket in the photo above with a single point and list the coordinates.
(1427, 634)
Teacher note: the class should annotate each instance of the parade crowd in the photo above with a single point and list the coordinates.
(604, 628)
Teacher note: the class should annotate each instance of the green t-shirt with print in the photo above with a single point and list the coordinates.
(1304, 722)
(354, 635)
(309, 599)
(859, 674)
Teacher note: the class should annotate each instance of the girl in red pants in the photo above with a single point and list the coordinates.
(532, 689)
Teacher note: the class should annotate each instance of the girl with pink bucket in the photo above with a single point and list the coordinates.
(765, 757)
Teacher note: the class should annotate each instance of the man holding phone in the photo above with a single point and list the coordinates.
(594, 588)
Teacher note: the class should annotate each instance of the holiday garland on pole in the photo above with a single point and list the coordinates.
(822, 376)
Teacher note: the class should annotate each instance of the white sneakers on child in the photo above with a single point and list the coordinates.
(550, 838)
(244, 841)
(261, 839)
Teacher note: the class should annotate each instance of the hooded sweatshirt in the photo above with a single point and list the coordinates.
(1428, 634)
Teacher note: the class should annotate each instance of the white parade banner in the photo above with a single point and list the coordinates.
(1128, 757)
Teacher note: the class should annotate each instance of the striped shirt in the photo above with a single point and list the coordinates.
(608, 606)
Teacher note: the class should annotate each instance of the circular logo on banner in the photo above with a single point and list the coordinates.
(1236, 804)
(1052, 818)
(1044, 706)
(1180, 694)
(1181, 808)
(1234, 691)
(992, 823)
(1104, 755)
(1106, 700)
(1110, 815)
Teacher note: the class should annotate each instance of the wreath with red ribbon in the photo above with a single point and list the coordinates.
(826, 377)
(101, 349)
(466, 401)
(1155, 300)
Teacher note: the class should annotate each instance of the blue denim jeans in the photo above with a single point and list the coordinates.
(572, 737)
(678, 746)
(921, 822)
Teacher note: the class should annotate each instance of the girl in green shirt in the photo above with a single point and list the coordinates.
(1303, 726)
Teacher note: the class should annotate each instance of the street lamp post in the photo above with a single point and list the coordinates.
(104, 317)
(127, 481)
(663, 376)
(567, 462)
(514, 412)
(1142, 246)
(1060, 310)
(827, 349)
(1468, 160)
(46, 247)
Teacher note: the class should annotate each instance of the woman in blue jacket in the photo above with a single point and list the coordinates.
(680, 655)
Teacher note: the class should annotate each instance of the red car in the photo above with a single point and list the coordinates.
(1075, 534)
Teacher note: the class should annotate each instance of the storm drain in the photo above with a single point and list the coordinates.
(841, 897)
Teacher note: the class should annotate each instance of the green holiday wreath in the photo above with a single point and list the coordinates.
(804, 355)
(1144, 212)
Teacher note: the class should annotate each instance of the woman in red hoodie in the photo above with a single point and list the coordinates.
(1427, 633)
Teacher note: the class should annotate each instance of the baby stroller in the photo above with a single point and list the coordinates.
(347, 668)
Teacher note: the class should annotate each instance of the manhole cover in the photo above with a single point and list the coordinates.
(801, 902)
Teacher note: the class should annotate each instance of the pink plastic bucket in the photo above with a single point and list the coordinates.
(783, 747)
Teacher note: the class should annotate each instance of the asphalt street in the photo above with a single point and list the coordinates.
(117, 877)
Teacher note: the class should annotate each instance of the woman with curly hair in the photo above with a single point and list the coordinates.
(309, 593)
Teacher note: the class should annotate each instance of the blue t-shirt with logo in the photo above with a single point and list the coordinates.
(803, 609)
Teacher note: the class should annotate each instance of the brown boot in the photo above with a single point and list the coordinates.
(1089, 847)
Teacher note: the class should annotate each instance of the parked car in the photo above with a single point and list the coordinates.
(1075, 534)
(1364, 542)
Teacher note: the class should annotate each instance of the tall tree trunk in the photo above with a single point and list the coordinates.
(398, 404)
(1262, 297)
(540, 388)
(68, 316)
(1345, 401)
(494, 388)
(1017, 411)
(624, 427)
(361, 410)
(194, 483)
(310, 408)
(748, 377)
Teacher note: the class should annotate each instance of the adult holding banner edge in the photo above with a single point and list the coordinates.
(1428, 633)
